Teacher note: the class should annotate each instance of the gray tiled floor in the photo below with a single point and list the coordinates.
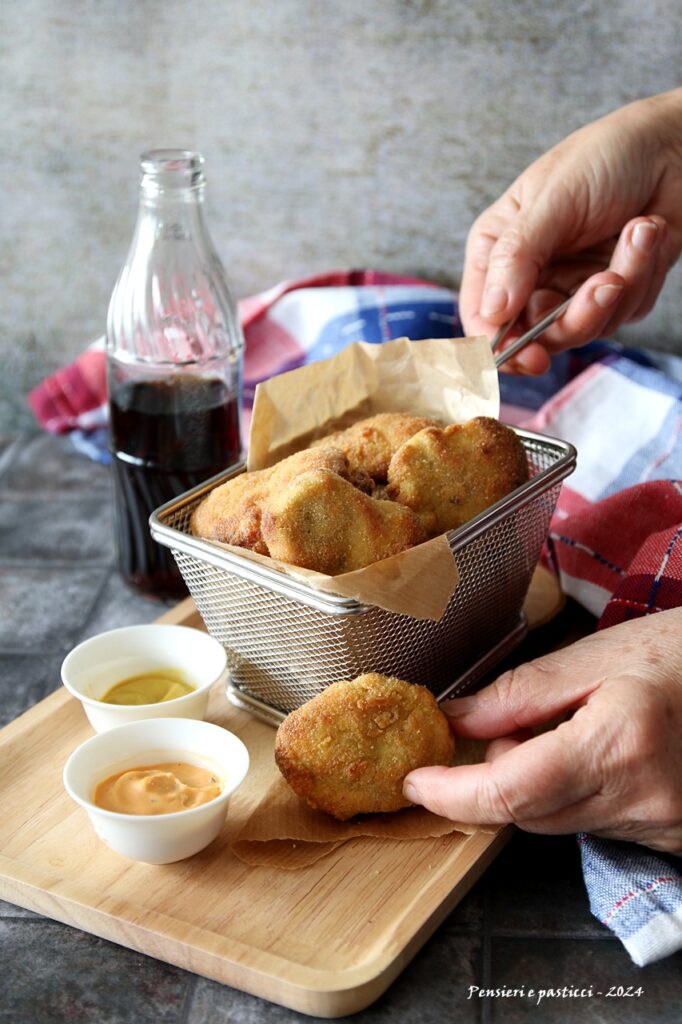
(593, 966)
(558, 908)
(83, 979)
(117, 605)
(40, 538)
(526, 922)
(46, 607)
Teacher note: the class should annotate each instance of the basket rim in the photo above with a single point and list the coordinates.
(277, 580)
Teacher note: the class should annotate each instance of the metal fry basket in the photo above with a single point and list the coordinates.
(286, 641)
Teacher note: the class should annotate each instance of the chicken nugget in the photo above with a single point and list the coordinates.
(348, 750)
(370, 443)
(448, 476)
(232, 512)
(322, 522)
(328, 457)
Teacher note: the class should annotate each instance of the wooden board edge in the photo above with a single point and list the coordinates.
(545, 598)
(322, 993)
(26, 719)
(344, 1002)
(185, 613)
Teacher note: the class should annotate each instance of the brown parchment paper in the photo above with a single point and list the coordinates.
(284, 832)
(447, 379)
(419, 585)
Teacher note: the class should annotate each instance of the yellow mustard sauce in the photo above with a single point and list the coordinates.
(148, 688)
(157, 789)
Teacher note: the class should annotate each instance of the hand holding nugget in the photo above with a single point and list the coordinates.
(613, 769)
(348, 750)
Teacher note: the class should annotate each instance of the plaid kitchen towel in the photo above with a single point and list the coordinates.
(616, 535)
(635, 893)
(295, 322)
(625, 419)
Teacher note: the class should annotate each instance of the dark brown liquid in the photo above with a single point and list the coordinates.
(166, 436)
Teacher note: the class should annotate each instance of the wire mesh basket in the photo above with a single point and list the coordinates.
(286, 641)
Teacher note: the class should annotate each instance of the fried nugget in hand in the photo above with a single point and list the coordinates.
(348, 750)
(322, 522)
(232, 512)
(448, 476)
(369, 444)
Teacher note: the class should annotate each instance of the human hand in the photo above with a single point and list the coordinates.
(601, 212)
(614, 768)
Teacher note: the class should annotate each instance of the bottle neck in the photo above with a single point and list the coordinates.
(180, 197)
(175, 217)
(172, 189)
(171, 304)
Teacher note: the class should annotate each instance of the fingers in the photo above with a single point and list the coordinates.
(530, 694)
(506, 258)
(480, 243)
(528, 782)
(591, 309)
(496, 748)
(637, 258)
(532, 360)
(612, 769)
(490, 804)
(505, 253)
(625, 292)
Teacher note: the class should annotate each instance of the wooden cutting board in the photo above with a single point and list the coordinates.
(326, 940)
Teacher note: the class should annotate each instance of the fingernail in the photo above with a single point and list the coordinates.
(645, 235)
(607, 294)
(459, 706)
(494, 300)
(410, 792)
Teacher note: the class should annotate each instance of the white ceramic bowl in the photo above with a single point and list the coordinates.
(97, 664)
(157, 838)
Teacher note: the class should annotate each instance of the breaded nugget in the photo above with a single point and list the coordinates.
(448, 476)
(348, 750)
(232, 512)
(322, 522)
(370, 443)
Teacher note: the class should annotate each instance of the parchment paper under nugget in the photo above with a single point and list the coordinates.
(284, 832)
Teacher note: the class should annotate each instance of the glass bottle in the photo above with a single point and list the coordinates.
(174, 364)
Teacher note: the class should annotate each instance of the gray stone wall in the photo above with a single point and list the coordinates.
(336, 133)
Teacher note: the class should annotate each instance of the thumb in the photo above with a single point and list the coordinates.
(529, 780)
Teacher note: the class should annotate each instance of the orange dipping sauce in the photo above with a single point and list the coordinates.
(157, 789)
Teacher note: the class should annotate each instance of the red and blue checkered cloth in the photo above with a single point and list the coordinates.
(616, 536)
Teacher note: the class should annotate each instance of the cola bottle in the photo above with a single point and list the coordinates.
(174, 364)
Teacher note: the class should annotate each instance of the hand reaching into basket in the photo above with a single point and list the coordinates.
(614, 768)
(600, 212)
